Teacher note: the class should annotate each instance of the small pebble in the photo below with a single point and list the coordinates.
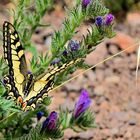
(132, 122)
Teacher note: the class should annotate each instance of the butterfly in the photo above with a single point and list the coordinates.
(22, 86)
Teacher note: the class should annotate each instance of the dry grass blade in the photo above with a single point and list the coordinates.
(106, 59)
(138, 61)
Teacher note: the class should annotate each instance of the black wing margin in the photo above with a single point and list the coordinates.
(14, 55)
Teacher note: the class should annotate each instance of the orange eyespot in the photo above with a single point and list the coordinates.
(20, 100)
(24, 105)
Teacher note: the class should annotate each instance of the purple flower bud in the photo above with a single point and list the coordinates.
(65, 52)
(50, 122)
(44, 126)
(39, 115)
(109, 19)
(73, 45)
(99, 21)
(85, 3)
(82, 104)
(55, 61)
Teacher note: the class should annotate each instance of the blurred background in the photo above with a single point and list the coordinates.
(111, 85)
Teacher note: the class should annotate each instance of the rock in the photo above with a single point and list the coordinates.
(124, 42)
(99, 90)
(63, 94)
(73, 87)
(114, 108)
(132, 105)
(87, 135)
(128, 134)
(91, 77)
(93, 58)
(113, 79)
(68, 104)
(132, 122)
(73, 95)
(100, 100)
(114, 131)
(112, 48)
(136, 132)
(99, 75)
(114, 123)
(105, 133)
(105, 106)
(69, 133)
(120, 116)
(48, 40)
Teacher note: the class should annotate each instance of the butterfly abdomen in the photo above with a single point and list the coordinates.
(28, 85)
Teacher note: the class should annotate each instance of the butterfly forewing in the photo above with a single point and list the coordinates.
(14, 54)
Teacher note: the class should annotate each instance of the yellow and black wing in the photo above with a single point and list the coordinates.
(45, 84)
(31, 91)
(14, 55)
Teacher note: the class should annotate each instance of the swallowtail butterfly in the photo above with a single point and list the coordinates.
(23, 87)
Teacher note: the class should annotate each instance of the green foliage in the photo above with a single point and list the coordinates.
(3, 68)
(86, 120)
(18, 123)
(33, 134)
(6, 107)
(96, 8)
(96, 36)
(27, 17)
(75, 18)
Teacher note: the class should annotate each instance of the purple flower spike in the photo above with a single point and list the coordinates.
(50, 122)
(82, 104)
(109, 19)
(73, 45)
(39, 115)
(44, 126)
(85, 3)
(99, 21)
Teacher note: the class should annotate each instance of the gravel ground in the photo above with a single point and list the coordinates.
(111, 85)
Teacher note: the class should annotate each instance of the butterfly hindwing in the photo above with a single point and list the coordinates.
(45, 83)
(14, 55)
